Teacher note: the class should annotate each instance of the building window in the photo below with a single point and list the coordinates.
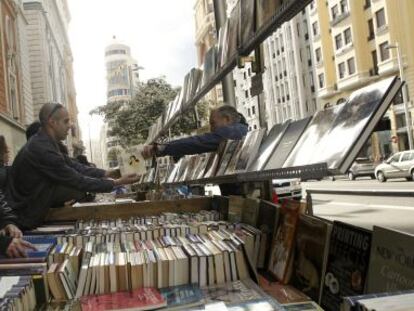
(248, 112)
(235, 83)
(374, 62)
(334, 12)
(380, 17)
(321, 79)
(371, 33)
(384, 51)
(12, 76)
(351, 65)
(315, 28)
(113, 52)
(348, 36)
(367, 4)
(253, 110)
(305, 27)
(244, 75)
(341, 70)
(311, 82)
(318, 55)
(254, 127)
(246, 93)
(312, 5)
(344, 6)
(338, 41)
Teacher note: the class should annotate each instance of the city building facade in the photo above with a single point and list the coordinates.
(289, 76)
(15, 90)
(122, 76)
(353, 50)
(50, 59)
(206, 37)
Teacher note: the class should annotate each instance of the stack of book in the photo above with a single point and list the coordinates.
(207, 259)
(388, 301)
(17, 293)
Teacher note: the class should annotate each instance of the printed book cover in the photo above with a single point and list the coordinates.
(182, 296)
(284, 240)
(392, 261)
(347, 266)
(146, 298)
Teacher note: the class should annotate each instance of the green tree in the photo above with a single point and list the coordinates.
(130, 121)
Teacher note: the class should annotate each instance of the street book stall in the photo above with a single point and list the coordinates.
(225, 253)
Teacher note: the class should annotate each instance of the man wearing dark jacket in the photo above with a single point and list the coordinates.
(11, 244)
(42, 176)
(225, 123)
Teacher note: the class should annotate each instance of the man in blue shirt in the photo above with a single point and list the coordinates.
(225, 123)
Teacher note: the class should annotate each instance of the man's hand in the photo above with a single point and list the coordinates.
(13, 231)
(126, 180)
(18, 247)
(113, 174)
(149, 151)
(69, 203)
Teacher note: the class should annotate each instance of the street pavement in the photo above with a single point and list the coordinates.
(364, 211)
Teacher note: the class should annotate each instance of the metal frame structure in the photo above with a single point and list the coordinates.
(287, 11)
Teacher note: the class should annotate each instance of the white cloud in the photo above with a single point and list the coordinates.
(159, 32)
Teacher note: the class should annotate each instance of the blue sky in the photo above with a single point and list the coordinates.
(159, 32)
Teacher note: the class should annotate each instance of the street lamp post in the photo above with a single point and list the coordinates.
(404, 94)
(90, 140)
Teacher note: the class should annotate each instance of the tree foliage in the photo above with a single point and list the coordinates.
(130, 121)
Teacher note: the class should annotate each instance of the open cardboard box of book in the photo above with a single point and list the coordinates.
(217, 247)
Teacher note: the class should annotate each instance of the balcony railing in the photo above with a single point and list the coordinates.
(340, 18)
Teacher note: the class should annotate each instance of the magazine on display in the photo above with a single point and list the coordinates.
(201, 166)
(391, 267)
(287, 143)
(265, 9)
(283, 241)
(268, 146)
(210, 65)
(249, 149)
(167, 112)
(174, 172)
(195, 77)
(347, 266)
(222, 49)
(232, 39)
(309, 144)
(356, 121)
(230, 151)
(247, 20)
(132, 161)
(310, 255)
(178, 102)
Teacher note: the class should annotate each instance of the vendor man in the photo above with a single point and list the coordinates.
(42, 176)
(225, 123)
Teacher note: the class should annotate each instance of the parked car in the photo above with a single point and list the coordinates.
(399, 165)
(287, 188)
(361, 167)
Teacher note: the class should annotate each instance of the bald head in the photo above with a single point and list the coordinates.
(48, 111)
(54, 119)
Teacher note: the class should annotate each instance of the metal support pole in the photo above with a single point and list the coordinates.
(405, 98)
(228, 82)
